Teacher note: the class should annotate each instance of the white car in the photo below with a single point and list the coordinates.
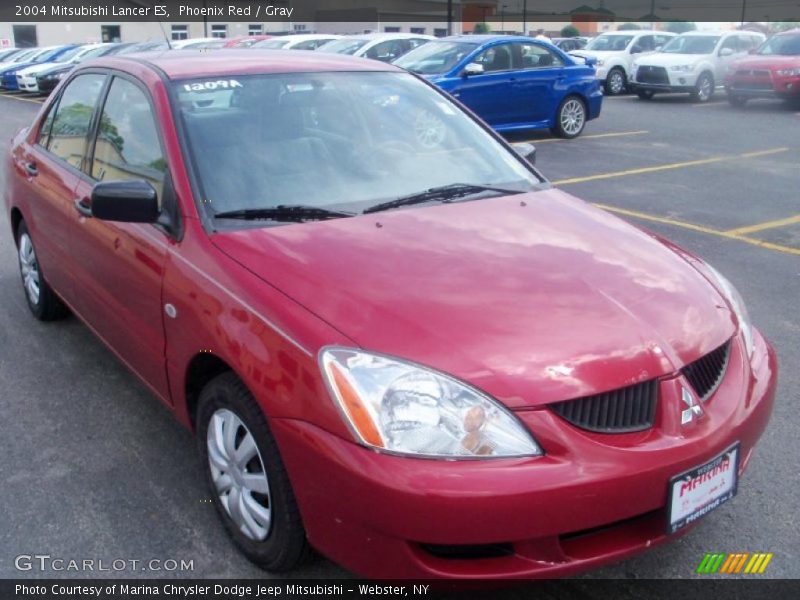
(385, 47)
(26, 78)
(616, 51)
(299, 41)
(694, 63)
(197, 43)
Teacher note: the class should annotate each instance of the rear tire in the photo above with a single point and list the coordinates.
(704, 88)
(570, 118)
(251, 490)
(43, 302)
(645, 94)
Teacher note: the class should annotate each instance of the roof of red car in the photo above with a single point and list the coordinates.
(186, 64)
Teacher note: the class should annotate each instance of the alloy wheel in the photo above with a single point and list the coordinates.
(704, 89)
(29, 268)
(572, 117)
(616, 83)
(238, 473)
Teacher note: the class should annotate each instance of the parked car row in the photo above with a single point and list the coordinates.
(745, 63)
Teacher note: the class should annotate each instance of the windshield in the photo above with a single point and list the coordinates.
(435, 57)
(691, 44)
(344, 46)
(343, 141)
(271, 44)
(609, 43)
(25, 56)
(99, 51)
(48, 55)
(781, 45)
(70, 54)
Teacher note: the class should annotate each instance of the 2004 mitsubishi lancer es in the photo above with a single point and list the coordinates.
(395, 341)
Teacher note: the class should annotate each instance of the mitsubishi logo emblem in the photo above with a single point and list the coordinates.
(693, 408)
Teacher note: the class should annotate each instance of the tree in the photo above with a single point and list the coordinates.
(481, 28)
(570, 31)
(628, 27)
(680, 26)
(783, 25)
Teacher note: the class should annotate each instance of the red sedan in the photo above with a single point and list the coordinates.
(773, 71)
(395, 341)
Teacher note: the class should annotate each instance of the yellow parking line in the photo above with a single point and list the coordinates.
(763, 226)
(680, 165)
(667, 167)
(700, 228)
(763, 152)
(591, 137)
(20, 98)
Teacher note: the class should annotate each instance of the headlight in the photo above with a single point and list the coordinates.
(681, 68)
(737, 304)
(600, 62)
(403, 408)
(788, 72)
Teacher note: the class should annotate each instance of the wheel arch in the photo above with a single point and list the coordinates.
(15, 218)
(200, 370)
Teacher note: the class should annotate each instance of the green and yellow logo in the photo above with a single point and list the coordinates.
(754, 563)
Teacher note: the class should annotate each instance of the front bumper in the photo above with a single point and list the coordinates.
(592, 499)
(9, 82)
(774, 87)
(665, 80)
(27, 84)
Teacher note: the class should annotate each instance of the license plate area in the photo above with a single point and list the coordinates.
(700, 490)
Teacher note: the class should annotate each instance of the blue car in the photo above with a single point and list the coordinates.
(8, 77)
(513, 83)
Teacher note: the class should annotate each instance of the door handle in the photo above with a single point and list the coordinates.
(31, 169)
(82, 207)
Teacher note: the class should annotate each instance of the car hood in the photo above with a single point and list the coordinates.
(533, 298)
(38, 68)
(768, 62)
(662, 59)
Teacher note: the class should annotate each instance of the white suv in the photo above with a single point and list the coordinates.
(616, 51)
(694, 62)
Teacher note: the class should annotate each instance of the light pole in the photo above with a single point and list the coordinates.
(744, 8)
(449, 17)
(524, 17)
(503, 18)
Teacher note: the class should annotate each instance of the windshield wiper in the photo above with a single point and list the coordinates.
(283, 212)
(444, 193)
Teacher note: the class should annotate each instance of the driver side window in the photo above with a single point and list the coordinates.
(731, 42)
(496, 58)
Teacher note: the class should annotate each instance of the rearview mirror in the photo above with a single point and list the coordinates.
(526, 151)
(472, 69)
(134, 201)
(726, 52)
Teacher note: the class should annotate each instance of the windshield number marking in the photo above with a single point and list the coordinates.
(224, 84)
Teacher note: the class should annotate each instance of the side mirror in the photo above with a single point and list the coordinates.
(726, 52)
(526, 151)
(752, 50)
(636, 49)
(134, 201)
(472, 69)
(659, 47)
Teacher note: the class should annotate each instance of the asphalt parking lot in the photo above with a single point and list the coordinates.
(94, 467)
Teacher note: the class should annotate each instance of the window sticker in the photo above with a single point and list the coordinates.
(220, 84)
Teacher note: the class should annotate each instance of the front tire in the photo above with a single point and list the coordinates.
(43, 302)
(570, 118)
(704, 88)
(736, 100)
(248, 481)
(616, 82)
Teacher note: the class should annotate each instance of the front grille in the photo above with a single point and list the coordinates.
(648, 74)
(628, 409)
(706, 373)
